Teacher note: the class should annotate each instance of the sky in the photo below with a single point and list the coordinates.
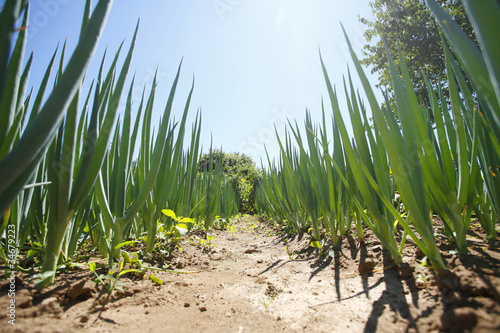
(255, 63)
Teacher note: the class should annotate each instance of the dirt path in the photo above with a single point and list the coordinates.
(252, 282)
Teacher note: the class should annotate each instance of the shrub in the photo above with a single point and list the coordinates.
(240, 170)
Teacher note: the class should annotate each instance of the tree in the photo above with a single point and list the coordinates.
(232, 163)
(240, 170)
(409, 24)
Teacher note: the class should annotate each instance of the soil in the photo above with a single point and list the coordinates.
(258, 280)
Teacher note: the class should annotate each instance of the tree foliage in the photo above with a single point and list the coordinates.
(409, 24)
(240, 170)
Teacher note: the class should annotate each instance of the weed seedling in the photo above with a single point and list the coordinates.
(290, 254)
(110, 281)
(232, 230)
(156, 280)
(266, 301)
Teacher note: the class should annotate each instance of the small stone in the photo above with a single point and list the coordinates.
(216, 257)
(459, 318)
(187, 305)
(203, 308)
(82, 290)
(405, 271)
(366, 267)
(84, 319)
(51, 306)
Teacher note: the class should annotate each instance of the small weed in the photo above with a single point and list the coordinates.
(266, 301)
(232, 230)
(252, 227)
(290, 254)
(221, 223)
(156, 280)
(270, 295)
(204, 244)
(110, 281)
(269, 233)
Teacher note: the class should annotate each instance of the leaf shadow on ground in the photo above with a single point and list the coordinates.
(393, 296)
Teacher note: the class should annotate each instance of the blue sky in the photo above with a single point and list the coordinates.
(255, 62)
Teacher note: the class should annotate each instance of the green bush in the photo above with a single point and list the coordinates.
(240, 170)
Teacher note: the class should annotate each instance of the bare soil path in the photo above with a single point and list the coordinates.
(254, 280)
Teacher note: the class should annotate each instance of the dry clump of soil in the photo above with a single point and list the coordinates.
(254, 280)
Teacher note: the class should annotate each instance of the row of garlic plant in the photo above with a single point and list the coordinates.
(482, 68)
(450, 168)
(81, 177)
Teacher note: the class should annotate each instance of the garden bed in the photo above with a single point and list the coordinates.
(255, 281)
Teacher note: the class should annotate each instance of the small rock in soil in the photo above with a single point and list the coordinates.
(447, 279)
(128, 291)
(405, 271)
(464, 318)
(366, 267)
(50, 305)
(82, 289)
